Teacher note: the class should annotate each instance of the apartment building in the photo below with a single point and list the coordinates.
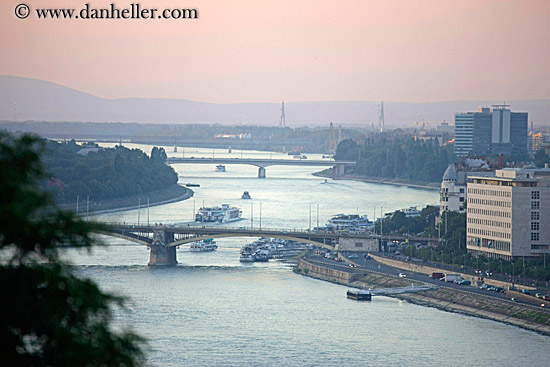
(508, 215)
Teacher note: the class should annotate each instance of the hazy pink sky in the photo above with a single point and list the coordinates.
(292, 50)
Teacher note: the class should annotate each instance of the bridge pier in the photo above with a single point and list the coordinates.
(261, 172)
(162, 255)
(338, 171)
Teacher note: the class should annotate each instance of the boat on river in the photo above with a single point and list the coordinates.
(203, 245)
(246, 195)
(359, 294)
(218, 214)
(220, 168)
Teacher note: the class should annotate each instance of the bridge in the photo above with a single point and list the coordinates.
(187, 141)
(338, 166)
(163, 240)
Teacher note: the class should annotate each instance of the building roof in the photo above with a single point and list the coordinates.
(450, 173)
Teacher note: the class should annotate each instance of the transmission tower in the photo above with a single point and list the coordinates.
(332, 139)
(283, 117)
(381, 116)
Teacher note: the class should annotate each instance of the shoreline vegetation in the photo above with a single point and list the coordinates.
(451, 300)
(163, 196)
(327, 173)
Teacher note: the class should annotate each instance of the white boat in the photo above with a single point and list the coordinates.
(246, 195)
(203, 245)
(247, 254)
(351, 222)
(218, 214)
(220, 168)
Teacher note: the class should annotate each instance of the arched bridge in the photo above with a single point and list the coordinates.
(163, 240)
(338, 166)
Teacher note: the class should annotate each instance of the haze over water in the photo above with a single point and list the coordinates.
(211, 310)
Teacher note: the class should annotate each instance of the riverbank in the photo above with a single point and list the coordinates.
(451, 300)
(168, 195)
(383, 180)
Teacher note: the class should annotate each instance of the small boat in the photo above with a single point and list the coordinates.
(359, 294)
(220, 168)
(192, 185)
(203, 245)
(246, 195)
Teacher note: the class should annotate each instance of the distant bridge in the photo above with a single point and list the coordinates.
(186, 141)
(164, 239)
(338, 166)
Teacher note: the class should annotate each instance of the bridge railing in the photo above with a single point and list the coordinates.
(220, 228)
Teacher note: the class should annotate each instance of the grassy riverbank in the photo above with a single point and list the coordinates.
(452, 300)
(381, 180)
(167, 195)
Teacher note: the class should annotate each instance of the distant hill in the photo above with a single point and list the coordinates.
(45, 101)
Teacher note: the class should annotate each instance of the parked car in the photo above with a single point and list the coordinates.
(525, 291)
(464, 282)
(402, 275)
(514, 299)
(484, 286)
(546, 297)
(353, 256)
(539, 295)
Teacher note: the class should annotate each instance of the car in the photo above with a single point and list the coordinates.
(525, 291)
(352, 265)
(484, 286)
(539, 295)
(542, 305)
(368, 257)
(354, 256)
(546, 297)
(464, 282)
(402, 275)
(514, 299)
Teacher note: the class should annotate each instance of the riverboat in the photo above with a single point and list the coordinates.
(203, 245)
(222, 214)
(351, 223)
(246, 195)
(359, 294)
(220, 168)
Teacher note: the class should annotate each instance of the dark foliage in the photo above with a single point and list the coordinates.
(105, 173)
(49, 316)
(398, 157)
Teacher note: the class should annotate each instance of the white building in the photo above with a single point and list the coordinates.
(509, 215)
(452, 195)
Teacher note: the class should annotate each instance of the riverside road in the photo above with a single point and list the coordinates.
(370, 265)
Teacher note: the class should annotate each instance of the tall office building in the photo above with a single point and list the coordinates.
(491, 132)
(508, 215)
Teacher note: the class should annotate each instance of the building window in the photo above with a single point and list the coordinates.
(534, 236)
(535, 195)
(462, 191)
(534, 215)
(461, 199)
(534, 226)
(535, 205)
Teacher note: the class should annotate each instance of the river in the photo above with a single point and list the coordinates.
(211, 310)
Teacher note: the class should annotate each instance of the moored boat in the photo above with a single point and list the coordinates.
(359, 294)
(220, 168)
(246, 195)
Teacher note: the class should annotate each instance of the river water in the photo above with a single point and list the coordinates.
(211, 310)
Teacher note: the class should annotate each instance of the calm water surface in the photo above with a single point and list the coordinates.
(211, 310)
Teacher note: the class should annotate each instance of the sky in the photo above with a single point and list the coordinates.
(292, 50)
